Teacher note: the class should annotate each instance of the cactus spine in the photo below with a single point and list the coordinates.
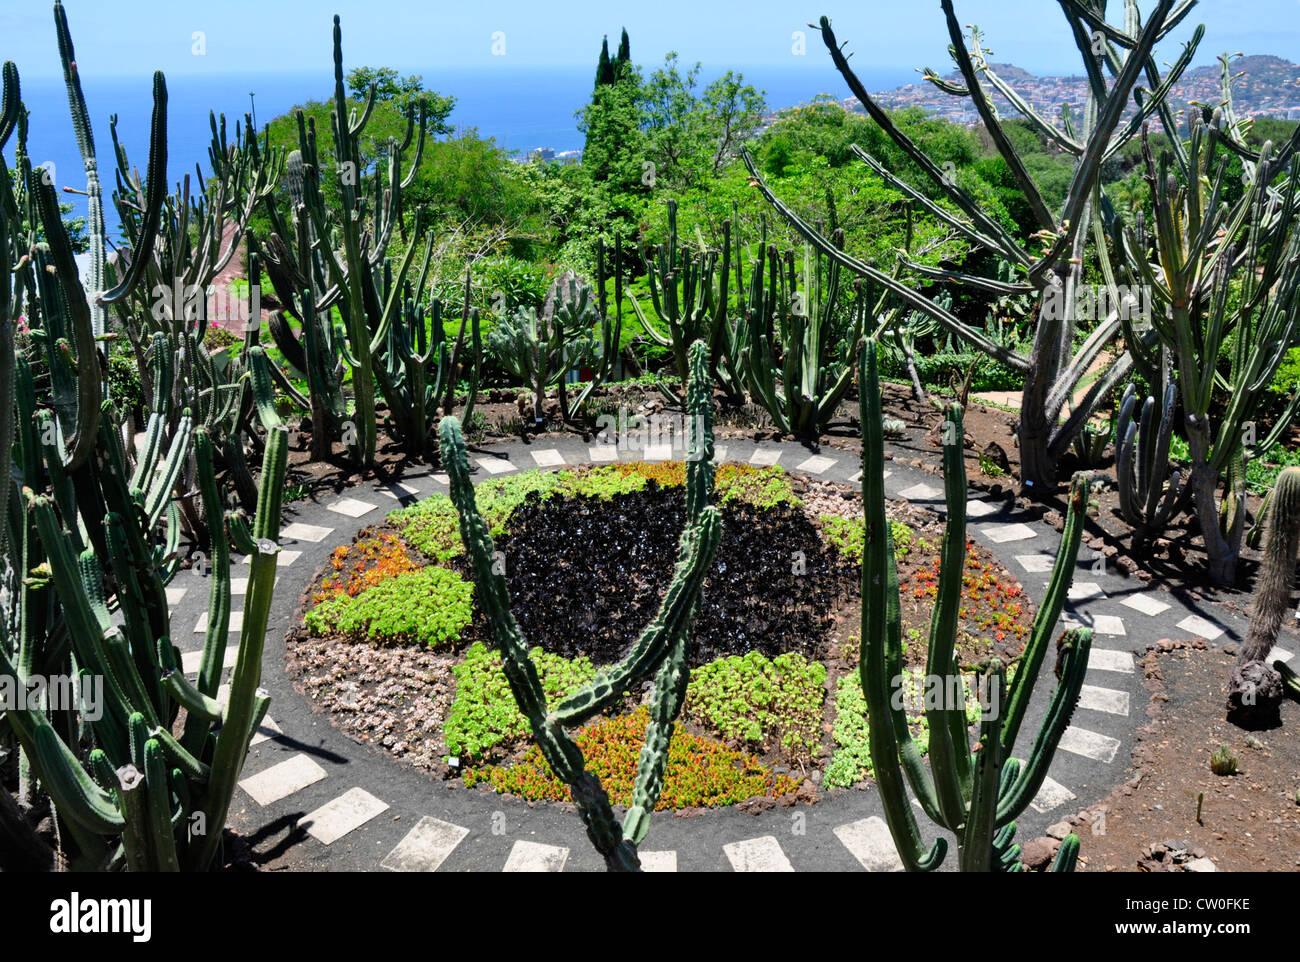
(664, 645)
(975, 795)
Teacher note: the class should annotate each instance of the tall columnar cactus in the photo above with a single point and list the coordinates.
(321, 260)
(1149, 489)
(804, 326)
(663, 647)
(688, 291)
(976, 795)
(90, 545)
(1256, 687)
(1054, 368)
(1221, 277)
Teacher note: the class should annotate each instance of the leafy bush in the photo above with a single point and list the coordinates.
(761, 703)
(700, 771)
(483, 713)
(432, 606)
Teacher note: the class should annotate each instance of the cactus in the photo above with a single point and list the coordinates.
(1223, 761)
(541, 350)
(975, 795)
(1054, 368)
(93, 533)
(421, 369)
(1220, 276)
(1149, 491)
(688, 291)
(312, 278)
(664, 645)
(802, 325)
(1255, 688)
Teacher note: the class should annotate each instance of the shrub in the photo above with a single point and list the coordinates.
(483, 714)
(761, 703)
(431, 606)
(376, 559)
(700, 771)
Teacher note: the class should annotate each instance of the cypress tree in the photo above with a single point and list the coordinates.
(604, 69)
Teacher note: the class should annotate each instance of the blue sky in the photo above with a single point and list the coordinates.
(128, 37)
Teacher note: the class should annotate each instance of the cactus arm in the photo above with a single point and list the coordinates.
(1067, 855)
(978, 838)
(162, 836)
(1073, 648)
(1049, 612)
(949, 749)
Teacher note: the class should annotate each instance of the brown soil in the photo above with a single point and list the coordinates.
(1250, 821)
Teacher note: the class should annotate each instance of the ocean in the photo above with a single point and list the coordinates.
(522, 109)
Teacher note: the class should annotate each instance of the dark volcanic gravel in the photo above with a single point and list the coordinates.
(585, 576)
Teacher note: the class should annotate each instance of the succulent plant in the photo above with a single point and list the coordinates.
(662, 648)
(1223, 761)
(975, 794)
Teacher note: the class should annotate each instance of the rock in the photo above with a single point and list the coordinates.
(1201, 865)
(1038, 854)
(995, 453)
(1059, 830)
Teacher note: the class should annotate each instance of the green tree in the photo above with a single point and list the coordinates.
(404, 93)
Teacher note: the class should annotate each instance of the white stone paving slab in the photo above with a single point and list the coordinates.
(1085, 591)
(190, 660)
(921, 492)
(282, 780)
(603, 452)
(1050, 794)
(352, 508)
(236, 622)
(265, 731)
(547, 458)
(1110, 700)
(495, 465)
(719, 455)
(425, 847)
(1201, 626)
(1106, 659)
(336, 818)
(536, 857)
(399, 490)
(1145, 603)
(1002, 533)
(856, 478)
(658, 861)
(174, 595)
(765, 457)
(658, 452)
(1089, 744)
(441, 478)
(762, 854)
(1036, 562)
(976, 508)
(817, 464)
(1100, 624)
(871, 844)
(1279, 654)
(305, 532)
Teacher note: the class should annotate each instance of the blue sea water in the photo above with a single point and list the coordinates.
(522, 109)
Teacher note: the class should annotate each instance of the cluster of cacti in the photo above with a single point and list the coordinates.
(976, 795)
(1054, 368)
(420, 366)
(322, 261)
(663, 647)
(1149, 488)
(688, 291)
(542, 349)
(804, 326)
(89, 537)
(1221, 276)
(1256, 687)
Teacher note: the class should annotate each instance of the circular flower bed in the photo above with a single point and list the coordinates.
(394, 647)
